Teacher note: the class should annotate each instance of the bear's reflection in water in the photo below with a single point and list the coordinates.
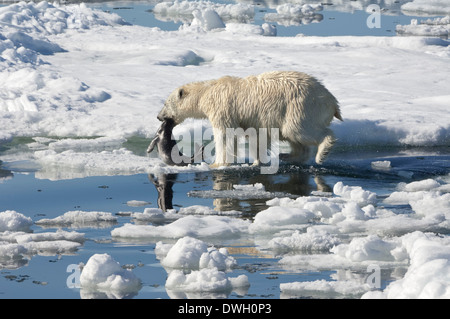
(292, 182)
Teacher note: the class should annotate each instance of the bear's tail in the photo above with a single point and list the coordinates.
(337, 113)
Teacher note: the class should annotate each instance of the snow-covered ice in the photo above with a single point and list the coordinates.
(115, 96)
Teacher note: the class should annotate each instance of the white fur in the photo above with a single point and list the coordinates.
(296, 103)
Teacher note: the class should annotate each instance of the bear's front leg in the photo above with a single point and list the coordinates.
(221, 148)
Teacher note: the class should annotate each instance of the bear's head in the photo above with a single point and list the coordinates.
(183, 103)
(174, 108)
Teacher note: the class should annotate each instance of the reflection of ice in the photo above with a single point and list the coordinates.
(204, 282)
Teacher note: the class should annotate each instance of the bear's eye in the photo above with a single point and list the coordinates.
(180, 93)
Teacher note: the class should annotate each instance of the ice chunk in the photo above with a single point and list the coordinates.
(137, 203)
(207, 20)
(366, 248)
(103, 273)
(381, 165)
(48, 236)
(189, 253)
(205, 210)
(79, 218)
(424, 185)
(276, 218)
(428, 275)
(314, 240)
(355, 193)
(11, 220)
(323, 287)
(185, 254)
(193, 226)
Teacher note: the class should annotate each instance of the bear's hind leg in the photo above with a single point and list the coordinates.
(325, 146)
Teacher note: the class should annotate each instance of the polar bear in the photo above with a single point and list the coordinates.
(295, 103)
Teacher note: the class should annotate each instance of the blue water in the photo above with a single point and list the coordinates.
(46, 276)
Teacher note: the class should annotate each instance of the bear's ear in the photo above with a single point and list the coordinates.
(181, 93)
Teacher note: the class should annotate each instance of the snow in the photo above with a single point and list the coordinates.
(393, 92)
